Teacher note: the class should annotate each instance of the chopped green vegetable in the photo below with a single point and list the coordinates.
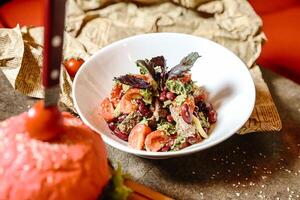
(144, 121)
(147, 95)
(117, 111)
(167, 127)
(180, 99)
(176, 86)
(125, 87)
(199, 128)
(178, 141)
(167, 103)
(204, 121)
(142, 67)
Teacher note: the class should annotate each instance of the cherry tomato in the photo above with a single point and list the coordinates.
(115, 94)
(44, 123)
(107, 110)
(72, 65)
(127, 106)
(156, 140)
(137, 136)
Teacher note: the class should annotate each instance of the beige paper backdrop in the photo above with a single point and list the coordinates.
(93, 24)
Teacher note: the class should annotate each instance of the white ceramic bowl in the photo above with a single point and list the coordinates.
(224, 75)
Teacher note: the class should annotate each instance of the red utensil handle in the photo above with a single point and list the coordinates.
(53, 41)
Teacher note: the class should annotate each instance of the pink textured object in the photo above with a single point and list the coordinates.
(74, 166)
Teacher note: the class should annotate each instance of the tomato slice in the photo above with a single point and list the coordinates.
(107, 110)
(156, 140)
(115, 94)
(137, 136)
(187, 77)
(127, 106)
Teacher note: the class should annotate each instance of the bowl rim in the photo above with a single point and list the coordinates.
(186, 151)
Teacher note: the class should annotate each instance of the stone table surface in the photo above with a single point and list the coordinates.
(253, 166)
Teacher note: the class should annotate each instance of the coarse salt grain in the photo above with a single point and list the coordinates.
(50, 179)
(237, 194)
(26, 168)
(6, 155)
(1, 171)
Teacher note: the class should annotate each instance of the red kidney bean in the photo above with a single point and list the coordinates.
(165, 148)
(121, 135)
(170, 95)
(208, 106)
(212, 116)
(185, 113)
(112, 126)
(170, 118)
(121, 118)
(144, 110)
(162, 96)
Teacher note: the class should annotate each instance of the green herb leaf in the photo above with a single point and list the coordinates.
(147, 95)
(145, 67)
(180, 99)
(167, 127)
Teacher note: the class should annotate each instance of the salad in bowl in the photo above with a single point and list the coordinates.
(159, 109)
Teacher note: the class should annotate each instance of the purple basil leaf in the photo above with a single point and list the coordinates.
(133, 81)
(185, 65)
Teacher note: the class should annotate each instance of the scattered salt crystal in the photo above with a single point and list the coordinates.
(288, 147)
(298, 145)
(26, 168)
(214, 159)
(260, 154)
(237, 174)
(6, 155)
(246, 179)
(193, 172)
(20, 148)
(288, 189)
(251, 183)
(229, 170)
(237, 148)
(263, 177)
(50, 179)
(237, 194)
(233, 163)
(288, 171)
(233, 151)
(56, 166)
(244, 152)
(262, 186)
(218, 172)
(246, 194)
(19, 137)
(254, 171)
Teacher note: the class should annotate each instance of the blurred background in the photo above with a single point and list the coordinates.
(281, 53)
